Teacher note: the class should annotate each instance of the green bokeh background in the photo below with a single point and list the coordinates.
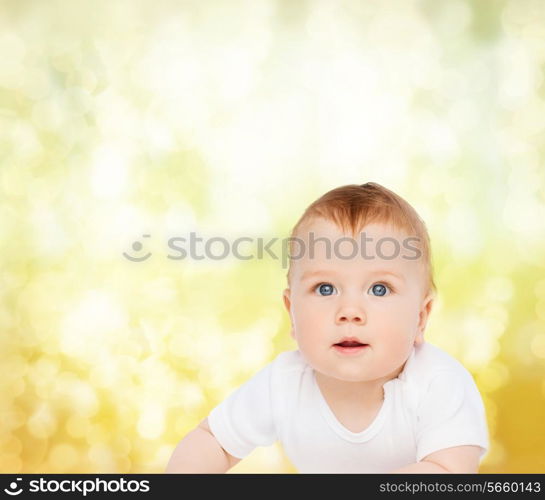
(227, 118)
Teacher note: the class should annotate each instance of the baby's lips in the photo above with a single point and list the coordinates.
(350, 342)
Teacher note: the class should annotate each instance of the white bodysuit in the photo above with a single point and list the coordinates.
(432, 404)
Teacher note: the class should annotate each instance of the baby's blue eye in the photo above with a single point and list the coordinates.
(379, 290)
(325, 289)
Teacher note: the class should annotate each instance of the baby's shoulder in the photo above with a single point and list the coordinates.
(428, 361)
(288, 372)
(289, 361)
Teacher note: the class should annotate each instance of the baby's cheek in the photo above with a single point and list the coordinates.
(393, 349)
(310, 322)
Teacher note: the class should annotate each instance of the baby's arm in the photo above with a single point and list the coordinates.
(200, 453)
(451, 431)
(456, 460)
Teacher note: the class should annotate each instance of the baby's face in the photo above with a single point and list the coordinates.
(377, 301)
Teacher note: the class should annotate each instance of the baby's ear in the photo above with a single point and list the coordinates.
(286, 297)
(287, 304)
(423, 317)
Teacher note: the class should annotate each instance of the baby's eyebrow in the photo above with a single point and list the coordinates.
(311, 274)
(390, 273)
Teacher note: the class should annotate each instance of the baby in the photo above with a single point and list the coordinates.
(364, 392)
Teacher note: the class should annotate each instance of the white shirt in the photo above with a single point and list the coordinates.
(432, 404)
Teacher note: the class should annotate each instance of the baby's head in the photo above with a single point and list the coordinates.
(360, 272)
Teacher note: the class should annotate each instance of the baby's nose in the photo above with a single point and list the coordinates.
(351, 315)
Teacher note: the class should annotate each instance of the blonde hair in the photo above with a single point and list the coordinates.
(353, 206)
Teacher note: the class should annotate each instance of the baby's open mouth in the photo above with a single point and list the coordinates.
(350, 346)
(350, 343)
